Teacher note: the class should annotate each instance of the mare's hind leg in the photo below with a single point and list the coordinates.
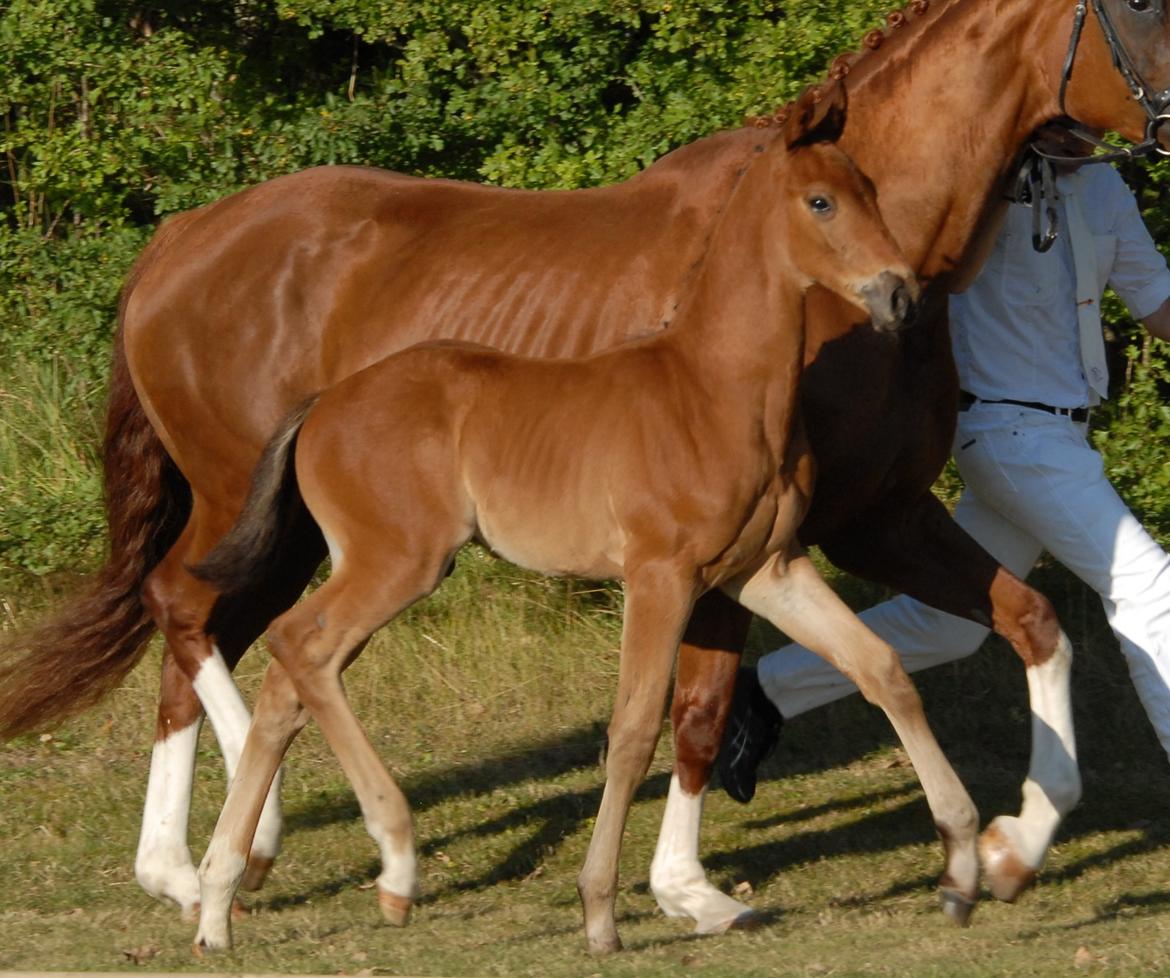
(797, 601)
(196, 675)
(707, 665)
(921, 550)
(658, 603)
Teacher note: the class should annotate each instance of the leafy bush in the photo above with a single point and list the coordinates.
(115, 114)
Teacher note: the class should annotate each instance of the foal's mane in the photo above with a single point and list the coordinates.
(873, 43)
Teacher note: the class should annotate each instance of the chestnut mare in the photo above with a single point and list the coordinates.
(582, 467)
(316, 275)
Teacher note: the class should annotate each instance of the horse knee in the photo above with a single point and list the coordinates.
(883, 682)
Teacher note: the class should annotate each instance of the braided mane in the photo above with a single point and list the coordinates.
(842, 65)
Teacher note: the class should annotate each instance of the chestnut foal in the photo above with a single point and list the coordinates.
(676, 463)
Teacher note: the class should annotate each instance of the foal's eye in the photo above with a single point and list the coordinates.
(821, 205)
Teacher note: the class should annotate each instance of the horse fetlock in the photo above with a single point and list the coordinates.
(167, 876)
(256, 872)
(1001, 850)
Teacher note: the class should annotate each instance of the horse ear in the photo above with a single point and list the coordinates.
(817, 117)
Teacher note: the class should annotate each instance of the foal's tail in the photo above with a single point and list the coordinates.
(66, 664)
(252, 549)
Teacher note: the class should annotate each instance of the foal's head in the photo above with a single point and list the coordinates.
(834, 233)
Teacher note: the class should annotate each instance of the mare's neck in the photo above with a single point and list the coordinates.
(938, 114)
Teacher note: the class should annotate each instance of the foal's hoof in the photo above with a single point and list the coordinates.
(1006, 873)
(957, 907)
(607, 944)
(395, 908)
(256, 872)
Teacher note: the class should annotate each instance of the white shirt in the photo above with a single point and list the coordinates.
(1014, 331)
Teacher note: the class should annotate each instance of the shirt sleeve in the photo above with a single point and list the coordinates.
(1139, 273)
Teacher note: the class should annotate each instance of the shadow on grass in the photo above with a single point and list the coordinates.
(978, 708)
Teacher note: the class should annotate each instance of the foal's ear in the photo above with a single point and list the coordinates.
(817, 117)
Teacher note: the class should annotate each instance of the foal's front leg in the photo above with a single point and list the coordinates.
(794, 597)
(659, 599)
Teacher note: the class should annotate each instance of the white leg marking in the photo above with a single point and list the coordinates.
(163, 865)
(230, 719)
(219, 876)
(399, 864)
(677, 878)
(1053, 786)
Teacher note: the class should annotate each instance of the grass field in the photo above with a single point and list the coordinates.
(489, 703)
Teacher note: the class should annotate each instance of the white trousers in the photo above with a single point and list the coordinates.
(1033, 483)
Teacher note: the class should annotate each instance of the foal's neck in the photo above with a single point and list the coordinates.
(742, 317)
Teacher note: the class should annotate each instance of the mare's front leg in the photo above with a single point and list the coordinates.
(794, 597)
(707, 665)
(921, 550)
(659, 599)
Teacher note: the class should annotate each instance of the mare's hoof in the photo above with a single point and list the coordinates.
(395, 908)
(1007, 875)
(957, 907)
(748, 919)
(256, 872)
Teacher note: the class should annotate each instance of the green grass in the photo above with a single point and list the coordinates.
(489, 705)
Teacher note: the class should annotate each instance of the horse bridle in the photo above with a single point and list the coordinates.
(1035, 182)
(1156, 107)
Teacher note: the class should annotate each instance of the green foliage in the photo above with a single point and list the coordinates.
(114, 114)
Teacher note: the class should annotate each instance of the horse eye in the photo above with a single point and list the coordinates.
(820, 204)
(1139, 5)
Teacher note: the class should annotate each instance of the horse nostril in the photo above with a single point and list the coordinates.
(904, 305)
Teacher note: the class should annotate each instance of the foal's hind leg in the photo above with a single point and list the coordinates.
(797, 601)
(312, 644)
(707, 665)
(278, 718)
(658, 603)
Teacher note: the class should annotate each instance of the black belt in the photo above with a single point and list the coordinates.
(1080, 415)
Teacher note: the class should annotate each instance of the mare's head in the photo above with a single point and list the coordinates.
(835, 234)
(1120, 69)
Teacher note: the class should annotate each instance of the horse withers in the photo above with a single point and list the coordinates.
(676, 463)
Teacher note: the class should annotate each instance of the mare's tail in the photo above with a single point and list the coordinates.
(63, 666)
(253, 547)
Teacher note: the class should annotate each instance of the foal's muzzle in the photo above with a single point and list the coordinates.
(891, 300)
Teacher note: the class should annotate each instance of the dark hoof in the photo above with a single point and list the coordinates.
(957, 907)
